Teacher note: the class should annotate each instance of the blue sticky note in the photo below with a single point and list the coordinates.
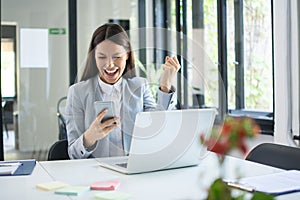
(72, 190)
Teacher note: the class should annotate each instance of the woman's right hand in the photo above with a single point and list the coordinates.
(170, 68)
(98, 129)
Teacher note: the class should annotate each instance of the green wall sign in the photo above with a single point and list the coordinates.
(57, 31)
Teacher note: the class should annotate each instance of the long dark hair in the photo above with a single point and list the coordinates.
(116, 34)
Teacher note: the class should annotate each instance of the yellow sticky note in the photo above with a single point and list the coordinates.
(54, 185)
(72, 190)
(113, 195)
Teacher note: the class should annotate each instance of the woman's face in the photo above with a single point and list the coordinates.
(111, 61)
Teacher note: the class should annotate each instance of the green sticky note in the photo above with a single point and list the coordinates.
(112, 195)
(72, 190)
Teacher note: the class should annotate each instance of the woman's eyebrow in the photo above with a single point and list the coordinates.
(120, 53)
(101, 53)
(114, 54)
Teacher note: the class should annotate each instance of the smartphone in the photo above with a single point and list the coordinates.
(101, 105)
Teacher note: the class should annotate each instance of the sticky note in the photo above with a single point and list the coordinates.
(72, 190)
(54, 185)
(105, 185)
(113, 195)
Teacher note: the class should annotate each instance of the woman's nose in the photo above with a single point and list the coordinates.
(110, 62)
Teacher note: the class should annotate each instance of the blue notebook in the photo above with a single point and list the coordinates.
(25, 168)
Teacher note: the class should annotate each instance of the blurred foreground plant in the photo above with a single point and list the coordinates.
(231, 135)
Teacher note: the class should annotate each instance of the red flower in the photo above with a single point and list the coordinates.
(232, 134)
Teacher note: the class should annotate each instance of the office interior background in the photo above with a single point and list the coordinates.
(240, 56)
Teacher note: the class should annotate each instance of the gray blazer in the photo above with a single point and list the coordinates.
(80, 112)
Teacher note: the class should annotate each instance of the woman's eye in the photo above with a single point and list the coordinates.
(101, 57)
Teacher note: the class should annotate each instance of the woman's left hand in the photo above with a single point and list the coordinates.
(170, 68)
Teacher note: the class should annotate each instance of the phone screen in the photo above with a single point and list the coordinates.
(101, 105)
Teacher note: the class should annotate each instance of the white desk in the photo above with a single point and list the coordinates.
(23, 187)
(184, 183)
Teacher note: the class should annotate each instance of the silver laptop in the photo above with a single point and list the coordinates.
(164, 140)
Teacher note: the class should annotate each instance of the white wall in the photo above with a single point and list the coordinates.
(40, 88)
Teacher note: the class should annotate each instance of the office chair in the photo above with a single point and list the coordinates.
(7, 115)
(276, 155)
(59, 150)
(60, 117)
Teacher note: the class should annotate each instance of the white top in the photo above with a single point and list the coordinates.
(114, 93)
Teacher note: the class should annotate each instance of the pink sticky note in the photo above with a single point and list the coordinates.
(105, 185)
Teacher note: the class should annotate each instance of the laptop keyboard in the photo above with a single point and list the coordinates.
(122, 165)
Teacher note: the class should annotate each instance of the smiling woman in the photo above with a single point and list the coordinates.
(111, 60)
(108, 43)
(109, 75)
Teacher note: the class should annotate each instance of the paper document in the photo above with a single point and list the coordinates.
(9, 168)
(277, 183)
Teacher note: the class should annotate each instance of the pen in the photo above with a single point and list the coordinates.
(240, 186)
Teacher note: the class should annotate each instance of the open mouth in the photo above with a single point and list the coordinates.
(111, 72)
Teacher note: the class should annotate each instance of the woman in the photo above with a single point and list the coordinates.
(109, 75)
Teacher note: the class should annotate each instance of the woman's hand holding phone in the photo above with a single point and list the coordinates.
(99, 129)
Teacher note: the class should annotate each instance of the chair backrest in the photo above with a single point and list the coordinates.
(276, 155)
(61, 119)
(59, 150)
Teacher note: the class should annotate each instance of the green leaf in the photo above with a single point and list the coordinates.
(197, 89)
(262, 196)
(139, 64)
(219, 190)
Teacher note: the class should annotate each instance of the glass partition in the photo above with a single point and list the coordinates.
(41, 74)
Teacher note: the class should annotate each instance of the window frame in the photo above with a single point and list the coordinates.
(9, 31)
(264, 119)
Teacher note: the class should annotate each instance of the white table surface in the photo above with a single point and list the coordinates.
(184, 183)
(23, 187)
